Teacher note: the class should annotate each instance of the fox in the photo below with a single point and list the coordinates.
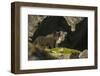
(50, 41)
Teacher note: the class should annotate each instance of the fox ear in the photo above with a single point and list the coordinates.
(55, 33)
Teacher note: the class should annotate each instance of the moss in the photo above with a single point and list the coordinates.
(64, 50)
(62, 53)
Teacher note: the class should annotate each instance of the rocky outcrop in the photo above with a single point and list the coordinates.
(84, 54)
(33, 23)
(72, 21)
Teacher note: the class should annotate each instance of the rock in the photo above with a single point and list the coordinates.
(33, 23)
(72, 21)
(84, 54)
(74, 56)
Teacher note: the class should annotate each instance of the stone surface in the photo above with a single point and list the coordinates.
(84, 54)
